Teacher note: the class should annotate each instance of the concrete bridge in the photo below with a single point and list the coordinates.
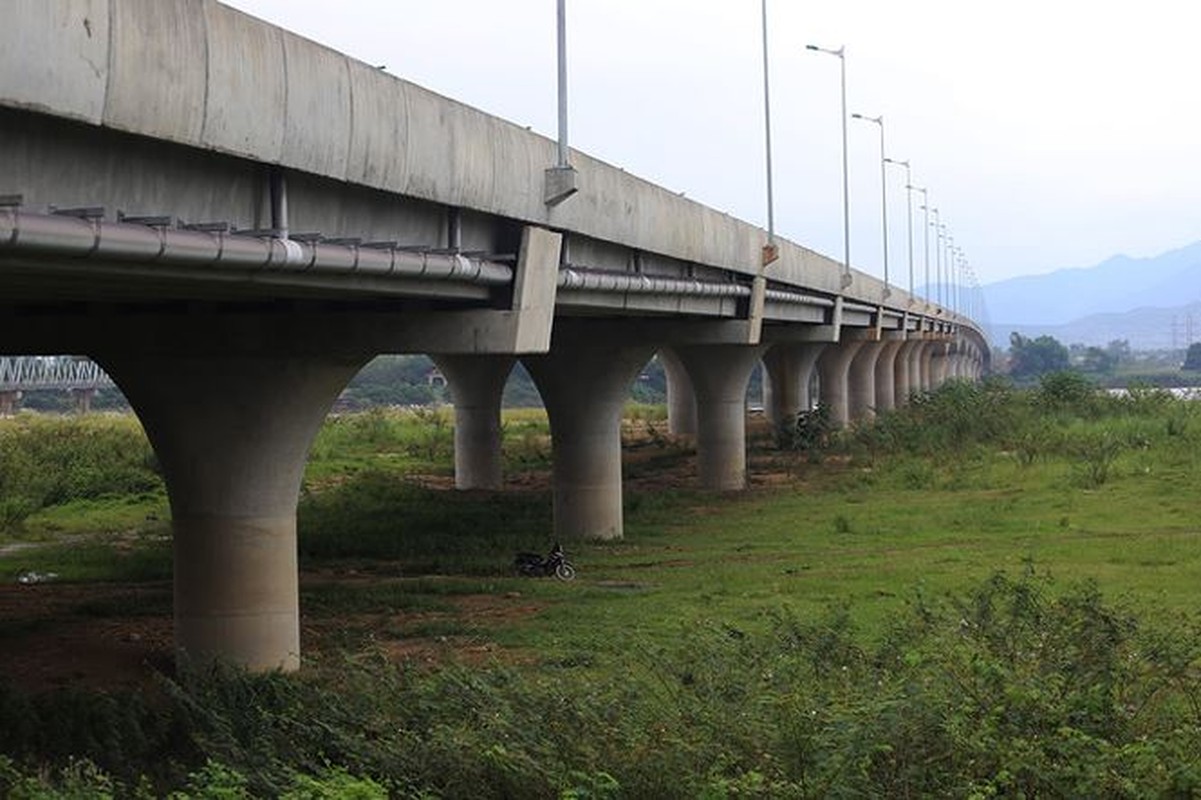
(232, 220)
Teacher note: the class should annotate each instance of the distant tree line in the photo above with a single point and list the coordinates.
(1030, 358)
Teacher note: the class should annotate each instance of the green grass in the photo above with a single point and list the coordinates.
(992, 593)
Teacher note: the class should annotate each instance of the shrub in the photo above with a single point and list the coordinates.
(46, 461)
(1012, 688)
(1067, 391)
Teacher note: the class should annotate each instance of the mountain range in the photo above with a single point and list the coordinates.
(1154, 303)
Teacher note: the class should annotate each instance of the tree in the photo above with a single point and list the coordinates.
(1031, 357)
(1119, 351)
(1097, 361)
(1192, 359)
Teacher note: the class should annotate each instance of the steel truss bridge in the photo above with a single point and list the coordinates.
(28, 373)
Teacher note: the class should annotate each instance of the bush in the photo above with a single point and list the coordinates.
(1067, 391)
(46, 461)
(1013, 688)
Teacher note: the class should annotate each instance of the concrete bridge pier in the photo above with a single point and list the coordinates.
(939, 365)
(903, 372)
(789, 369)
(476, 384)
(833, 369)
(958, 362)
(81, 400)
(10, 402)
(584, 382)
(232, 433)
(924, 360)
(719, 374)
(886, 371)
(861, 382)
(681, 399)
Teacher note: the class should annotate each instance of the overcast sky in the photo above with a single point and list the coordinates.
(1050, 133)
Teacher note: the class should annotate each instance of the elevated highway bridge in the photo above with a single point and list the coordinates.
(232, 220)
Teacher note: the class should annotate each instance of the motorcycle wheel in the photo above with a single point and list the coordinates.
(564, 571)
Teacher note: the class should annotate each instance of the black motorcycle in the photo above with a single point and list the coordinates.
(533, 565)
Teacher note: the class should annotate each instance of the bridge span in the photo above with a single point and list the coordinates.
(81, 377)
(232, 220)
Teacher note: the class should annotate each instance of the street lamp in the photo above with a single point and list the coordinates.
(846, 195)
(948, 266)
(559, 181)
(926, 233)
(770, 252)
(943, 290)
(938, 228)
(771, 221)
(908, 214)
(883, 193)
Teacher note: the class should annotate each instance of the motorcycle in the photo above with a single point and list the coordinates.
(533, 565)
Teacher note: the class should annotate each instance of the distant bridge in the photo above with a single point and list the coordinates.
(76, 374)
(27, 373)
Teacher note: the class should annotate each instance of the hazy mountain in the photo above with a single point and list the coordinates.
(1143, 328)
(1113, 287)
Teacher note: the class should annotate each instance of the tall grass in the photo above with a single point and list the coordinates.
(375, 515)
(1013, 688)
(47, 461)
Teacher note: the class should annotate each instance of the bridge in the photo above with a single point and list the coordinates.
(232, 220)
(79, 376)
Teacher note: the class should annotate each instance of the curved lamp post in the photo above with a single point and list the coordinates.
(908, 214)
(883, 194)
(840, 53)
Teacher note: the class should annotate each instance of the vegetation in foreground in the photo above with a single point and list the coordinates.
(989, 593)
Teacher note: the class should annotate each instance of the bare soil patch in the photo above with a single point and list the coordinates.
(109, 637)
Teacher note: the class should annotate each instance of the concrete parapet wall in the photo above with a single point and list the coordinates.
(202, 74)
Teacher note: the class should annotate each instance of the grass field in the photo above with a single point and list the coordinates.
(990, 594)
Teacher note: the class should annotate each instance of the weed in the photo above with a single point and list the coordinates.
(1097, 452)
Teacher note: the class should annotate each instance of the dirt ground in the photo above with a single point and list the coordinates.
(107, 636)
(110, 636)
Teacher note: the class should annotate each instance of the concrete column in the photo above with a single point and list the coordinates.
(719, 374)
(584, 384)
(903, 372)
(915, 368)
(927, 374)
(476, 384)
(833, 368)
(81, 400)
(681, 399)
(886, 375)
(10, 401)
(938, 365)
(789, 367)
(232, 434)
(861, 382)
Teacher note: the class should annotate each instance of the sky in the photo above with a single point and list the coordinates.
(1050, 134)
